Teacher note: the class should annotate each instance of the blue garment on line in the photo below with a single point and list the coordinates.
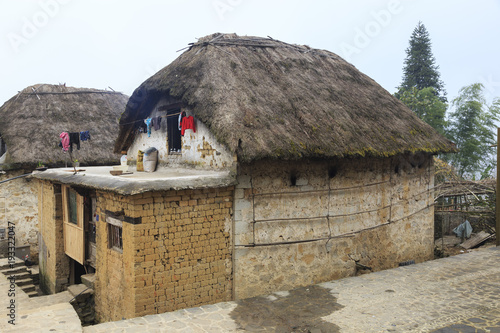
(148, 124)
(84, 136)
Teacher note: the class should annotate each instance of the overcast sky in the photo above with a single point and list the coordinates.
(120, 43)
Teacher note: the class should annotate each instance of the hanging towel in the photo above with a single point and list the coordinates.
(187, 123)
(157, 123)
(84, 136)
(148, 124)
(64, 140)
(181, 115)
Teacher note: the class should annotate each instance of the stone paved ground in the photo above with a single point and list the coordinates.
(455, 294)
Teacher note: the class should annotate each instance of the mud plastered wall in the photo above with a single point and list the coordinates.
(199, 148)
(53, 262)
(18, 204)
(178, 256)
(303, 223)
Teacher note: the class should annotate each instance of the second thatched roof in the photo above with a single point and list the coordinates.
(263, 98)
(31, 122)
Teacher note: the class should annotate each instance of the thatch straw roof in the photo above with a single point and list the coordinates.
(466, 187)
(30, 124)
(267, 99)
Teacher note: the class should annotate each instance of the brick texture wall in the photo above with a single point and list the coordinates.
(178, 256)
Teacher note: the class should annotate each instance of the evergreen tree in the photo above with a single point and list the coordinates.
(420, 69)
(427, 106)
(473, 129)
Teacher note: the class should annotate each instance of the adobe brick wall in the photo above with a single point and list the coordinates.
(179, 256)
(378, 212)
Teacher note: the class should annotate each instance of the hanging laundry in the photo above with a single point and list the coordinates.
(148, 124)
(142, 128)
(157, 123)
(181, 115)
(84, 136)
(64, 141)
(187, 123)
(74, 138)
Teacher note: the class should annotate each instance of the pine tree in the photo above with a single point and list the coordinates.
(420, 70)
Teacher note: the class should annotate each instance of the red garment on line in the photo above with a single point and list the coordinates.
(187, 123)
(64, 140)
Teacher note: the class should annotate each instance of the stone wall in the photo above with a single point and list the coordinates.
(18, 204)
(303, 223)
(178, 255)
(53, 263)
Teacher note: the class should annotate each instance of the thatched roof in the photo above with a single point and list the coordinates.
(267, 99)
(30, 124)
(465, 187)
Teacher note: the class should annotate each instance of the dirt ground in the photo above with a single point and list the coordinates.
(450, 246)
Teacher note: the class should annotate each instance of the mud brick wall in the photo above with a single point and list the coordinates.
(178, 255)
(304, 223)
(18, 204)
(53, 262)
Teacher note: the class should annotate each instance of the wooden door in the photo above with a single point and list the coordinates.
(73, 231)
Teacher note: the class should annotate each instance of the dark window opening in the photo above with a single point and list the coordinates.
(3, 147)
(332, 172)
(174, 133)
(72, 210)
(293, 179)
(115, 237)
(115, 240)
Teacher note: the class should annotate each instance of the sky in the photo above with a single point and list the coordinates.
(117, 44)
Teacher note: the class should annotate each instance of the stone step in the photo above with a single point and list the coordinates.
(15, 270)
(24, 282)
(28, 288)
(33, 293)
(20, 275)
(6, 264)
(88, 280)
(80, 290)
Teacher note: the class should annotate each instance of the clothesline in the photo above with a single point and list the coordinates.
(141, 120)
(70, 138)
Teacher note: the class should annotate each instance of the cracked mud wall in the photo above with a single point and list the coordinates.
(199, 149)
(304, 223)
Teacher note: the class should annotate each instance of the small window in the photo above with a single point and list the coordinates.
(115, 240)
(72, 208)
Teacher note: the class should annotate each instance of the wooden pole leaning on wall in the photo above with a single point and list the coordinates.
(497, 203)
